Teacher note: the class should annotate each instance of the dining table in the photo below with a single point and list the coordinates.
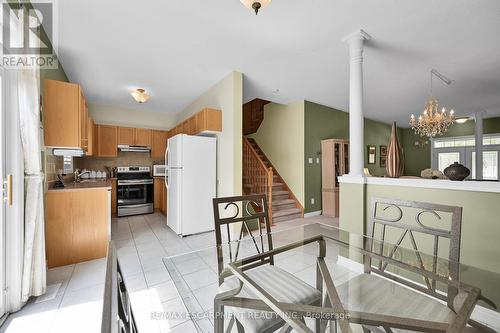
(339, 264)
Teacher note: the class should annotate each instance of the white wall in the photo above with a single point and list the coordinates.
(226, 95)
(110, 115)
(281, 137)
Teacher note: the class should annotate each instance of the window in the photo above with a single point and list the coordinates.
(446, 159)
(68, 164)
(466, 141)
(490, 165)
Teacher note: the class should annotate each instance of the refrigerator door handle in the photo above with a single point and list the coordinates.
(166, 171)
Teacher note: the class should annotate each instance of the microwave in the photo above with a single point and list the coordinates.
(159, 170)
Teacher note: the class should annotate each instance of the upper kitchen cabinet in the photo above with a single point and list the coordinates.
(107, 141)
(209, 120)
(65, 115)
(91, 137)
(158, 143)
(126, 136)
(143, 137)
(134, 136)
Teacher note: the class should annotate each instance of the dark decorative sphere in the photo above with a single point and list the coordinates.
(456, 171)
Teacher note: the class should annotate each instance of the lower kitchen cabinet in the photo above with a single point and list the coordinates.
(160, 199)
(77, 225)
(114, 193)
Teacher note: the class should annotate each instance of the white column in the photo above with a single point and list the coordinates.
(478, 132)
(355, 41)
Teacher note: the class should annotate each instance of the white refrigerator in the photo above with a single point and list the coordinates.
(191, 183)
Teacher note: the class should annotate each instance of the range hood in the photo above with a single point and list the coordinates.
(134, 149)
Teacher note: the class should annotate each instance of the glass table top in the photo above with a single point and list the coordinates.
(196, 274)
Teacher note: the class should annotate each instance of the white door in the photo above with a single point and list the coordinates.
(3, 203)
(491, 158)
(443, 157)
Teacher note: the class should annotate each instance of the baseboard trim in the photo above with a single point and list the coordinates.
(311, 214)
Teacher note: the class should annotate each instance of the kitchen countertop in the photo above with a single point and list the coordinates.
(84, 185)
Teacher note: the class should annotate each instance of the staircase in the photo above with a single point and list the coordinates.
(260, 176)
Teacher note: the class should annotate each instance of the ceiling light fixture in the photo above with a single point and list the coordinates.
(432, 122)
(256, 5)
(140, 95)
(461, 120)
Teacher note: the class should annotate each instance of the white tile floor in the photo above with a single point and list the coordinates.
(141, 242)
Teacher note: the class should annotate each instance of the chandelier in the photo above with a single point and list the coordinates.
(433, 122)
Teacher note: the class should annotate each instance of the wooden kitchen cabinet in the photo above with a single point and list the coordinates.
(114, 192)
(76, 225)
(134, 136)
(158, 144)
(126, 135)
(65, 115)
(208, 120)
(142, 137)
(107, 138)
(160, 197)
(90, 137)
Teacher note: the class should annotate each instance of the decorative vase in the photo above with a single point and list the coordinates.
(395, 159)
(456, 171)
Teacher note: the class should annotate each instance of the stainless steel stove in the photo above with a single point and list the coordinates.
(135, 190)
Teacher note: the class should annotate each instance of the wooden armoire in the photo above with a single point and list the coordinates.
(334, 163)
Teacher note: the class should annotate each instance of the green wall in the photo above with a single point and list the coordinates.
(417, 159)
(322, 122)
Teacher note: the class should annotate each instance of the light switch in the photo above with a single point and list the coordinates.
(310, 160)
(312, 201)
(317, 160)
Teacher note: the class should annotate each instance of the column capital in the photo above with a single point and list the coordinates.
(357, 35)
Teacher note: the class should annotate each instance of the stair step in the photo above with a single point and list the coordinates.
(287, 218)
(285, 212)
(283, 202)
(279, 193)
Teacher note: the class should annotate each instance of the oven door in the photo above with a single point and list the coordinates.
(135, 192)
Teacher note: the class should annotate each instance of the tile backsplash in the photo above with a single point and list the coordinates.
(123, 159)
(53, 164)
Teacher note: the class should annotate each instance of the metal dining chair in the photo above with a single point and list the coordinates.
(283, 286)
(382, 290)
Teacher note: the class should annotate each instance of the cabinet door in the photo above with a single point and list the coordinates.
(107, 141)
(213, 120)
(83, 123)
(126, 136)
(158, 197)
(114, 207)
(90, 136)
(58, 228)
(143, 137)
(158, 144)
(61, 114)
(95, 139)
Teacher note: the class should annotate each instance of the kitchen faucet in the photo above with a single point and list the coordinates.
(77, 175)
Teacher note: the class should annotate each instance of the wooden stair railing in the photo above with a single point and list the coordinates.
(260, 177)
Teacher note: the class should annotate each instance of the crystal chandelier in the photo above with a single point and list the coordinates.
(433, 122)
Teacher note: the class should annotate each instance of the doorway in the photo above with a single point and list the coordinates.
(446, 151)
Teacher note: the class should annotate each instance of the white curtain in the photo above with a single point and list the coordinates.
(34, 270)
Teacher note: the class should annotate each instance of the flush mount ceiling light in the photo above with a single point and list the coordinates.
(255, 5)
(461, 120)
(140, 95)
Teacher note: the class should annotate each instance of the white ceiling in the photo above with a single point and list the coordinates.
(176, 49)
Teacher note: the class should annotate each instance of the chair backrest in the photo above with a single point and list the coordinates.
(243, 210)
(416, 224)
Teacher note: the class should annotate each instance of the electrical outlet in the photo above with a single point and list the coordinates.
(312, 201)
(310, 160)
